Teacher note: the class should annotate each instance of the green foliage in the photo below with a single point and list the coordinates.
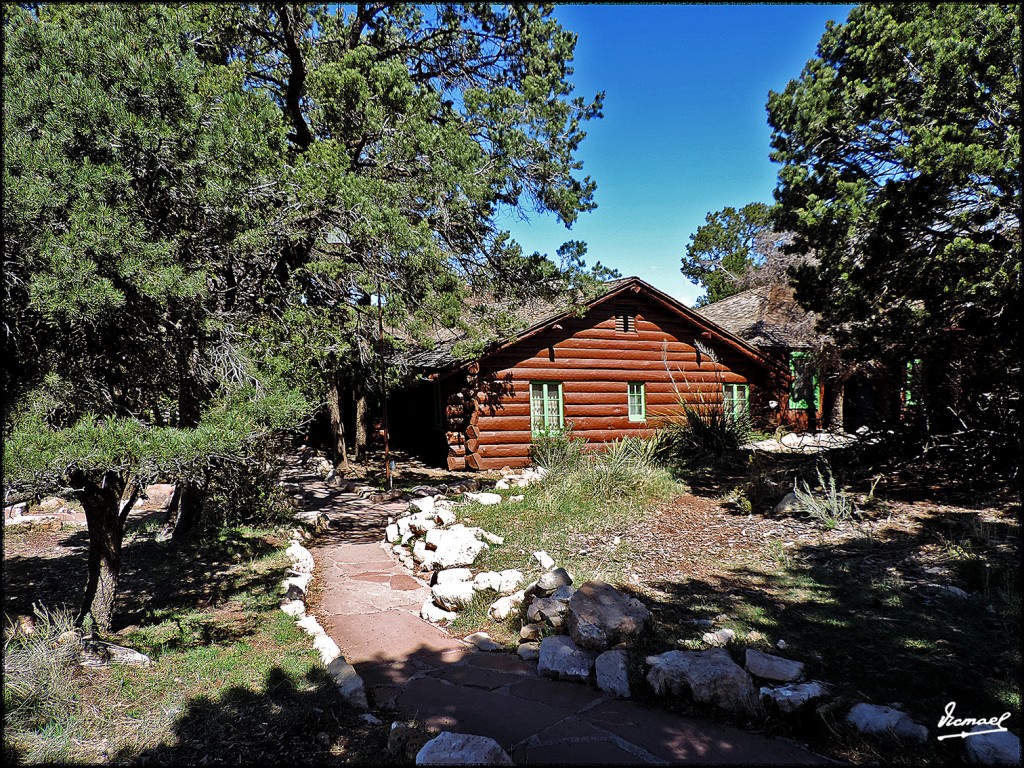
(557, 449)
(38, 456)
(699, 433)
(900, 153)
(829, 504)
(726, 248)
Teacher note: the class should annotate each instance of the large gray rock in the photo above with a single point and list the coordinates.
(790, 699)
(874, 719)
(462, 749)
(773, 667)
(710, 677)
(789, 505)
(552, 580)
(612, 669)
(561, 659)
(547, 609)
(992, 748)
(601, 616)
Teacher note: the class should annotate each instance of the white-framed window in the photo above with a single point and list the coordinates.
(736, 400)
(546, 406)
(636, 396)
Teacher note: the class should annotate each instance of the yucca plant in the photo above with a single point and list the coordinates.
(830, 505)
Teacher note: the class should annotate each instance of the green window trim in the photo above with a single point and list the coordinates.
(636, 398)
(799, 362)
(547, 407)
(736, 401)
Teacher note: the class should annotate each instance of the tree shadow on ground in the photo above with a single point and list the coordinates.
(157, 578)
(865, 615)
(287, 722)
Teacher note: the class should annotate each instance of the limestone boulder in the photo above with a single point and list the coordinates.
(430, 612)
(503, 582)
(719, 638)
(544, 560)
(875, 720)
(504, 607)
(422, 504)
(454, 547)
(773, 667)
(601, 616)
(453, 574)
(462, 749)
(453, 595)
(709, 677)
(791, 699)
(562, 659)
(482, 642)
(444, 517)
(487, 499)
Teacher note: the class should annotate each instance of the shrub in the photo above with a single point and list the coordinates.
(557, 450)
(702, 433)
(38, 671)
(832, 507)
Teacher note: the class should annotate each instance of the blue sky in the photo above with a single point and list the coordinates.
(684, 130)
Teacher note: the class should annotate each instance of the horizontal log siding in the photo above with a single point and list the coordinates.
(595, 362)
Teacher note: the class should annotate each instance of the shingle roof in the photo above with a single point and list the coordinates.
(528, 314)
(768, 317)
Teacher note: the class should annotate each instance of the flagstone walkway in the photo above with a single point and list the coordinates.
(369, 604)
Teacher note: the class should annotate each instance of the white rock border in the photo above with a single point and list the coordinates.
(294, 586)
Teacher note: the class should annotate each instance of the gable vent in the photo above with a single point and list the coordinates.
(625, 319)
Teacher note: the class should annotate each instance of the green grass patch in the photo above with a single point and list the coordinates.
(232, 678)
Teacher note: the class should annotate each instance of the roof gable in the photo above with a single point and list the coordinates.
(442, 361)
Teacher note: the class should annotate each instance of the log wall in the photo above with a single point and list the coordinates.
(489, 406)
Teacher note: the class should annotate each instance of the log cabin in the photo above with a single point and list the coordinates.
(825, 390)
(618, 369)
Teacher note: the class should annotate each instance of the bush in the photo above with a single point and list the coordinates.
(245, 491)
(557, 450)
(832, 507)
(38, 671)
(701, 434)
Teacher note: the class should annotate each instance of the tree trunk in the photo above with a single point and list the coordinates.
(190, 505)
(190, 500)
(337, 425)
(362, 434)
(105, 515)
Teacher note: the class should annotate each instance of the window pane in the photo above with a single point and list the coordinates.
(536, 406)
(635, 399)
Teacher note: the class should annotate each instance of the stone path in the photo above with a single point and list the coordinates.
(369, 605)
